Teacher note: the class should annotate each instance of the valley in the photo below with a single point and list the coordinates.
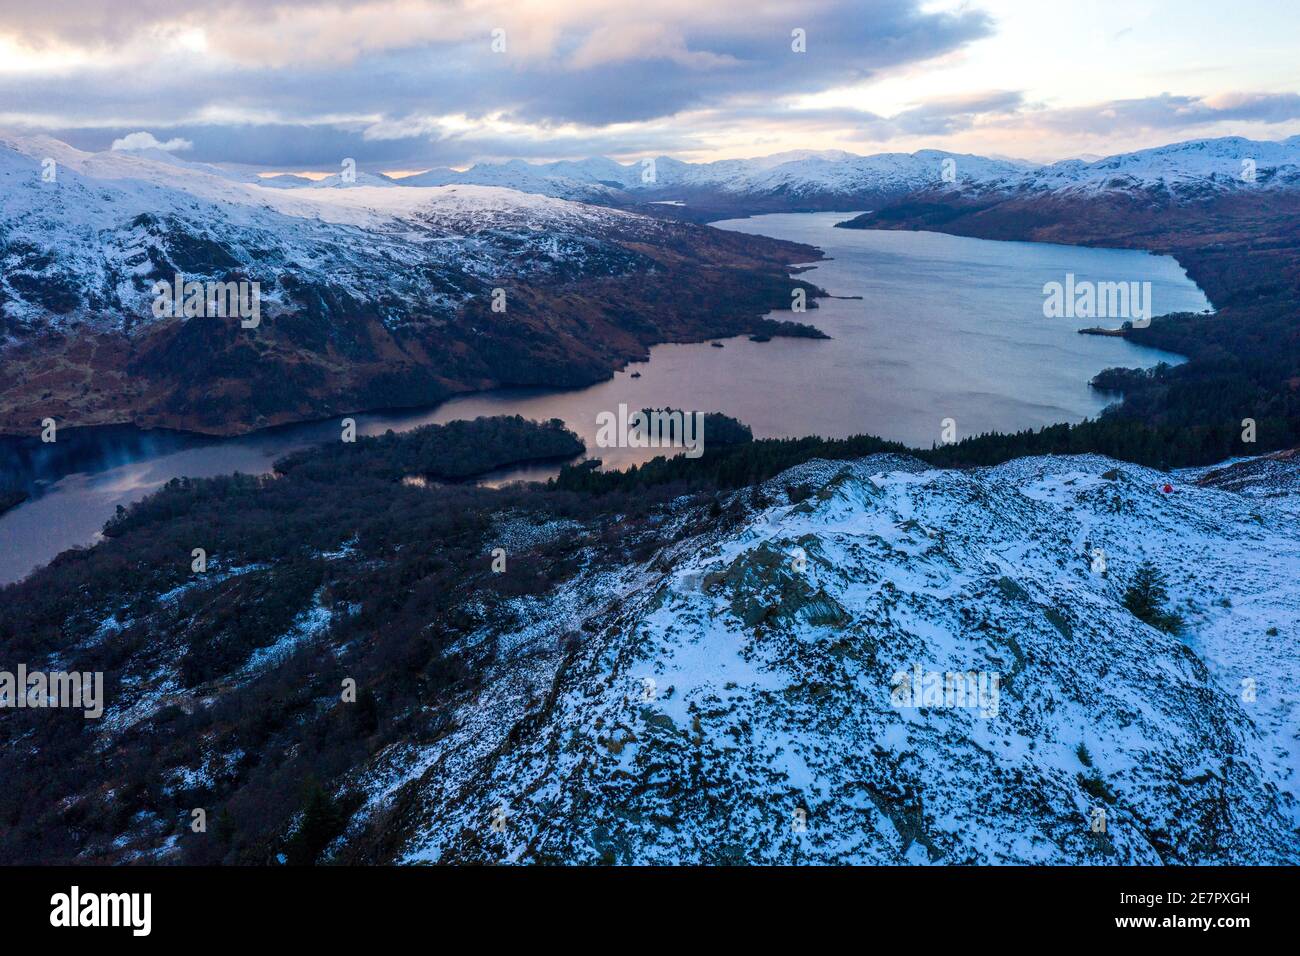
(382, 660)
(900, 359)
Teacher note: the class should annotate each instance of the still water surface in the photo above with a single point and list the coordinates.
(946, 327)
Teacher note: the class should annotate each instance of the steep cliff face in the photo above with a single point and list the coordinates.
(738, 697)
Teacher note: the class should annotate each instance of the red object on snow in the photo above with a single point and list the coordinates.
(1167, 489)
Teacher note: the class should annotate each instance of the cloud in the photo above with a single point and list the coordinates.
(1006, 121)
(415, 83)
(942, 117)
(1168, 112)
(590, 62)
(144, 140)
(643, 41)
(321, 147)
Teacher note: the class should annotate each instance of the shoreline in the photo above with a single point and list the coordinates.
(33, 439)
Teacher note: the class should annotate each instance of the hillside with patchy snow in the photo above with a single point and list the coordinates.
(719, 677)
(1196, 169)
(369, 295)
(85, 247)
(725, 702)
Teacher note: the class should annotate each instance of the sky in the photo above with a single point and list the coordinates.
(404, 85)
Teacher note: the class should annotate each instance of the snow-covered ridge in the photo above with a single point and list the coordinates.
(84, 235)
(1224, 163)
(801, 173)
(1229, 162)
(725, 691)
(733, 702)
(368, 203)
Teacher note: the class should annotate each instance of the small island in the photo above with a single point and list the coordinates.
(456, 451)
(767, 329)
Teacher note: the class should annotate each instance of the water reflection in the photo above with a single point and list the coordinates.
(944, 327)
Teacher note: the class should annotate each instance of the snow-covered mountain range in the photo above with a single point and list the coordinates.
(369, 295)
(377, 291)
(800, 174)
(1191, 170)
(84, 244)
(1188, 169)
